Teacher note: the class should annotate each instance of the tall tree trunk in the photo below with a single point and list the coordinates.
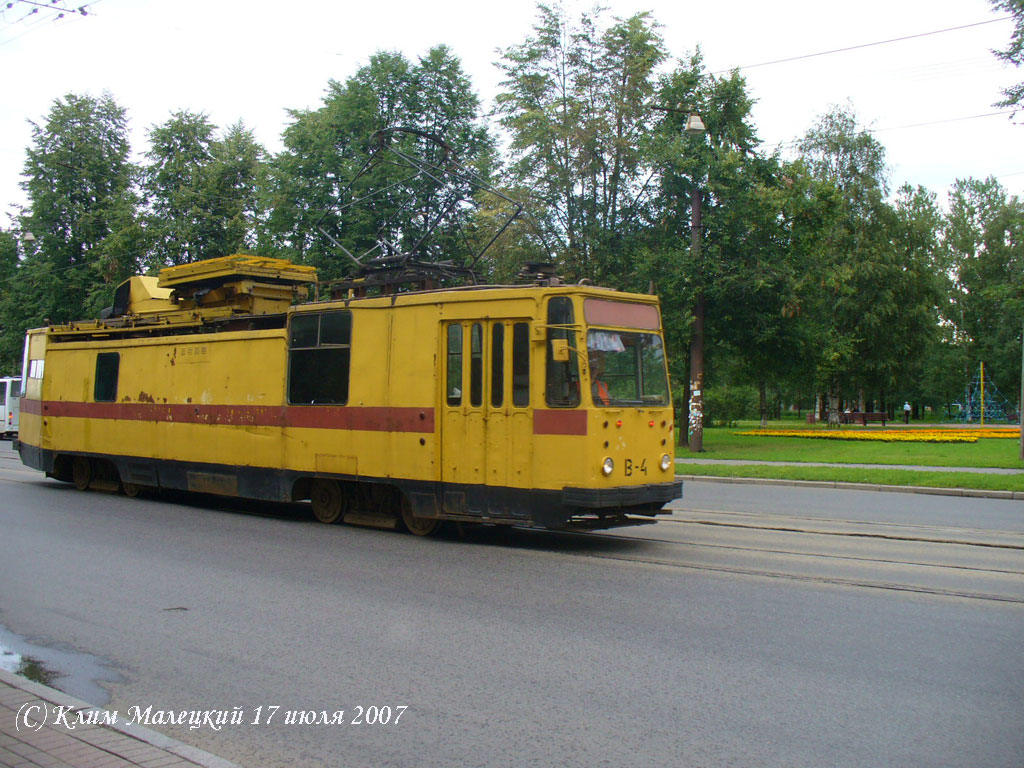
(833, 402)
(682, 430)
(764, 405)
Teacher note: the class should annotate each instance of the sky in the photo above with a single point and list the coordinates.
(928, 99)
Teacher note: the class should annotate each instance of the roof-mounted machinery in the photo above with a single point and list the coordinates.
(225, 289)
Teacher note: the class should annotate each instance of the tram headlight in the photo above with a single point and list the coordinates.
(666, 462)
(607, 466)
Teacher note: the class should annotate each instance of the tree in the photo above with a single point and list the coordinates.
(577, 106)
(984, 234)
(200, 190)
(1014, 53)
(855, 301)
(9, 360)
(311, 187)
(82, 214)
(717, 192)
(921, 291)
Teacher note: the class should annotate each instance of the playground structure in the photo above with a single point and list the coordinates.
(984, 402)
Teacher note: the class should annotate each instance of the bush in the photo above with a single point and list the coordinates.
(726, 404)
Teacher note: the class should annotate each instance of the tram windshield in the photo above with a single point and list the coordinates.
(626, 368)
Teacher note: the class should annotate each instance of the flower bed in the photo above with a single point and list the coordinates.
(886, 435)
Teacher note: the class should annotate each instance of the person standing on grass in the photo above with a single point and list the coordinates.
(906, 412)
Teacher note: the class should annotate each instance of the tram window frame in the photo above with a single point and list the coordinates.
(108, 365)
(521, 365)
(453, 391)
(319, 357)
(562, 379)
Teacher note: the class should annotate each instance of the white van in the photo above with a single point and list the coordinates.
(10, 397)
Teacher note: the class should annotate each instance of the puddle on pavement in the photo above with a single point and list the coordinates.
(73, 672)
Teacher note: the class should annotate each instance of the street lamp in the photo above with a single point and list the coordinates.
(694, 124)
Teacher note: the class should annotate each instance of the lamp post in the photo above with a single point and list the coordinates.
(695, 418)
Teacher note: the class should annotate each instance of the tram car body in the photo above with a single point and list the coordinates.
(539, 405)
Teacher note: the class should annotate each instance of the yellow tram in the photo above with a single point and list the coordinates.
(543, 405)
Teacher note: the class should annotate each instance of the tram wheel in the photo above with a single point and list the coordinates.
(131, 490)
(327, 500)
(418, 526)
(81, 472)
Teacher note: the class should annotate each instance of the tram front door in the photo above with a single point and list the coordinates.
(485, 422)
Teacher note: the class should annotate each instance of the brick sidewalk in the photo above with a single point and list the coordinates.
(26, 742)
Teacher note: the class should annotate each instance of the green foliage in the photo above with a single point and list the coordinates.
(81, 215)
(306, 185)
(724, 405)
(577, 107)
(10, 359)
(984, 235)
(873, 309)
(1014, 52)
(200, 190)
(899, 477)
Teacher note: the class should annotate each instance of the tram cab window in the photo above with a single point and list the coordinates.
(319, 356)
(105, 384)
(563, 377)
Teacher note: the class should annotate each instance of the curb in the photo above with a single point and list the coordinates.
(963, 492)
(150, 737)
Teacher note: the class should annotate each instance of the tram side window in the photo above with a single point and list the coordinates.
(105, 385)
(476, 365)
(563, 378)
(454, 386)
(497, 365)
(319, 357)
(520, 365)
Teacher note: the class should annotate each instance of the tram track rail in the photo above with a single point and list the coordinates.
(952, 554)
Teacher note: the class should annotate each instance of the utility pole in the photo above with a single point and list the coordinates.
(1020, 408)
(695, 420)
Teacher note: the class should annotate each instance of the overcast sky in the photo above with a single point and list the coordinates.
(929, 98)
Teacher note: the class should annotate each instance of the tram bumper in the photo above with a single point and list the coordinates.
(634, 499)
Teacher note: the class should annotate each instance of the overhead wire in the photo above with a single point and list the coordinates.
(918, 73)
(862, 45)
(56, 14)
(794, 142)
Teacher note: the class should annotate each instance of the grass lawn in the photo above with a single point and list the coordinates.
(972, 480)
(722, 443)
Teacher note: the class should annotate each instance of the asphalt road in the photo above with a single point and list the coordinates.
(760, 626)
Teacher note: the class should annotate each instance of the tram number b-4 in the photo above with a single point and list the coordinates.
(631, 466)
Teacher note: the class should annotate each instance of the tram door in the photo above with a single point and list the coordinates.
(485, 426)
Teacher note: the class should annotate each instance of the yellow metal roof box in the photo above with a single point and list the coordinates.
(235, 267)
